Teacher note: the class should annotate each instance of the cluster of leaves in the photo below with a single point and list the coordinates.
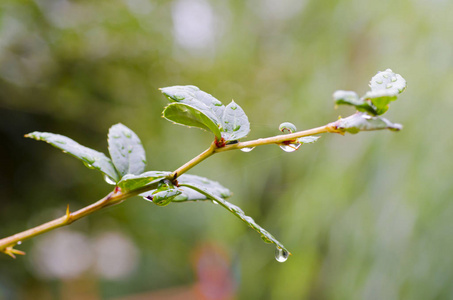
(192, 107)
(126, 166)
(385, 88)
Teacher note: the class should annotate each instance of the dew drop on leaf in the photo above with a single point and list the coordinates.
(247, 149)
(281, 255)
(109, 180)
(215, 202)
(290, 148)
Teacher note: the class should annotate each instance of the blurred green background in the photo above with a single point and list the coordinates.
(366, 216)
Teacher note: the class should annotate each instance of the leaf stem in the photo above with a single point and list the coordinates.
(278, 139)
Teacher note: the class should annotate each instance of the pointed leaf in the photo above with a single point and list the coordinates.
(190, 93)
(91, 158)
(126, 150)
(385, 87)
(196, 103)
(238, 212)
(131, 182)
(363, 122)
(235, 122)
(211, 186)
(188, 115)
(308, 139)
(351, 98)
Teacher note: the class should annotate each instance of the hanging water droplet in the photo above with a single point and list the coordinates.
(19, 242)
(247, 149)
(109, 180)
(215, 202)
(287, 127)
(393, 79)
(281, 255)
(290, 147)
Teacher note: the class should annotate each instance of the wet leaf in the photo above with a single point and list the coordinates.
(91, 158)
(351, 98)
(308, 139)
(235, 122)
(238, 212)
(126, 150)
(131, 182)
(191, 116)
(196, 108)
(385, 87)
(187, 194)
(363, 122)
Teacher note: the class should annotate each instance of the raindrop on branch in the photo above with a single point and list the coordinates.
(281, 255)
(247, 149)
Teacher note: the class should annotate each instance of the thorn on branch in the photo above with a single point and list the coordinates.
(11, 251)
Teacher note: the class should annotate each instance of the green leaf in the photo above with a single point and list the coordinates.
(238, 212)
(188, 115)
(131, 182)
(363, 122)
(91, 158)
(199, 109)
(187, 194)
(351, 98)
(193, 107)
(385, 87)
(126, 150)
(235, 122)
(308, 139)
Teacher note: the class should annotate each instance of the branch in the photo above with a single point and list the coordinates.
(7, 244)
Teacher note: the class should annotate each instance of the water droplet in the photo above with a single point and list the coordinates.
(127, 134)
(233, 107)
(215, 202)
(385, 75)
(379, 81)
(287, 127)
(290, 147)
(389, 86)
(109, 180)
(237, 128)
(61, 142)
(116, 136)
(19, 242)
(247, 149)
(281, 255)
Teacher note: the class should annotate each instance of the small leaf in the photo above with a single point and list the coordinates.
(91, 158)
(126, 150)
(201, 109)
(131, 182)
(238, 212)
(362, 122)
(189, 93)
(385, 87)
(235, 122)
(211, 186)
(351, 98)
(188, 115)
(308, 139)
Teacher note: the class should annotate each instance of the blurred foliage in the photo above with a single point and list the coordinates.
(365, 216)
